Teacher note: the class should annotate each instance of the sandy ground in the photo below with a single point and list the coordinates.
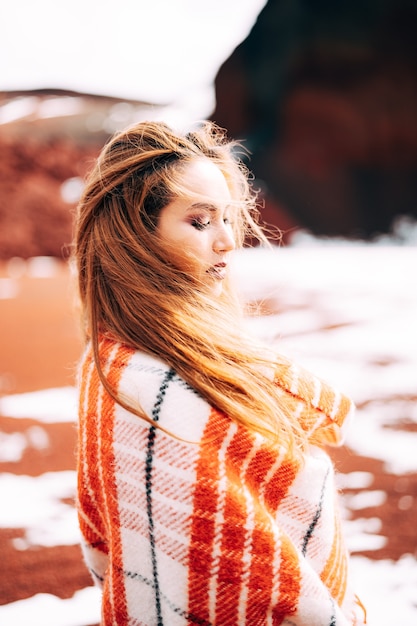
(40, 345)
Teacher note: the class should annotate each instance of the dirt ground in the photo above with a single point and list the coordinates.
(40, 345)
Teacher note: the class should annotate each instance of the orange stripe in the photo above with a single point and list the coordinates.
(234, 533)
(261, 575)
(289, 582)
(327, 399)
(344, 410)
(231, 563)
(259, 467)
(92, 452)
(98, 424)
(88, 442)
(205, 504)
(334, 574)
(260, 586)
(280, 483)
(265, 551)
(108, 414)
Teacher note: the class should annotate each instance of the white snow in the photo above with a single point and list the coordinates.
(44, 609)
(36, 505)
(388, 590)
(47, 406)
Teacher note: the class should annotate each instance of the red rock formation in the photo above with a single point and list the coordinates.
(34, 217)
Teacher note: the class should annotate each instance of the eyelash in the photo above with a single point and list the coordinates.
(200, 225)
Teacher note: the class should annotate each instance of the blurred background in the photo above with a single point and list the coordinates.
(323, 94)
(324, 97)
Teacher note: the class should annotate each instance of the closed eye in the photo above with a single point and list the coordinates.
(200, 224)
(209, 213)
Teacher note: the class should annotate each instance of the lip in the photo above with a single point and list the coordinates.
(218, 271)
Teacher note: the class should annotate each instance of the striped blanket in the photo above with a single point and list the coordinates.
(216, 526)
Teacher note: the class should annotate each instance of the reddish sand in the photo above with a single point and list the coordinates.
(40, 345)
(40, 342)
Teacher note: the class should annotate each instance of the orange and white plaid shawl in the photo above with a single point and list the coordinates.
(224, 531)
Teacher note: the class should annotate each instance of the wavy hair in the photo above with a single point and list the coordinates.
(131, 290)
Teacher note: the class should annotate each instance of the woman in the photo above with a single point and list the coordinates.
(204, 496)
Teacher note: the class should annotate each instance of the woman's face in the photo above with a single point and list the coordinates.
(197, 226)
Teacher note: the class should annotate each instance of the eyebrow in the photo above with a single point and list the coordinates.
(206, 207)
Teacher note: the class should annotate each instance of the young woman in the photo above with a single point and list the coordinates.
(204, 495)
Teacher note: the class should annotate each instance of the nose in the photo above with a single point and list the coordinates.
(224, 240)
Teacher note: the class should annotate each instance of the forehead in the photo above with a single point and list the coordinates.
(204, 179)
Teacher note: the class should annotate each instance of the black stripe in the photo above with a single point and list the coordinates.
(148, 486)
(95, 575)
(174, 608)
(316, 517)
(333, 616)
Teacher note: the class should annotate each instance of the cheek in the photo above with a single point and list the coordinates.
(186, 247)
(192, 259)
(194, 246)
(188, 255)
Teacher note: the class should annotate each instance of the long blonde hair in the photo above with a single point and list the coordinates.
(130, 289)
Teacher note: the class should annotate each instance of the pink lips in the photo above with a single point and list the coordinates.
(218, 271)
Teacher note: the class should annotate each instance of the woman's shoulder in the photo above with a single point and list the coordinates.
(323, 409)
(156, 387)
